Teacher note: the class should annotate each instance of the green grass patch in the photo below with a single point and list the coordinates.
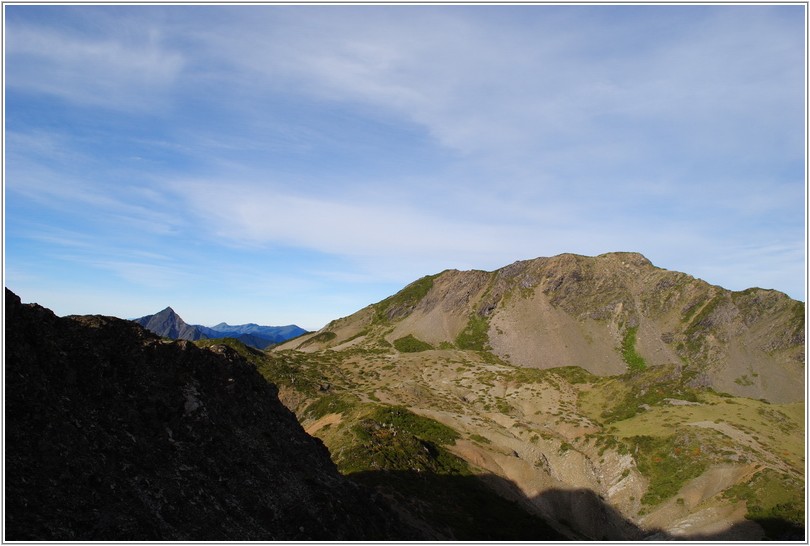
(392, 438)
(323, 337)
(503, 406)
(572, 374)
(689, 312)
(622, 397)
(303, 372)
(634, 361)
(564, 448)
(410, 344)
(361, 333)
(474, 337)
(330, 403)
(248, 353)
(668, 463)
(422, 427)
(402, 303)
(480, 439)
(774, 500)
(744, 381)
(527, 376)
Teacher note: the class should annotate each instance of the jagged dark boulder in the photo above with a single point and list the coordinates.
(115, 434)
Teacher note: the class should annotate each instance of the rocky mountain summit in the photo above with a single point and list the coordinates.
(167, 323)
(115, 434)
(612, 398)
(606, 314)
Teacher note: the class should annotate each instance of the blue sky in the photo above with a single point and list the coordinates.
(293, 164)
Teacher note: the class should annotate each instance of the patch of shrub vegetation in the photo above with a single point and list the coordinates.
(403, 302)
(698, 320)
(607, 441)
(503, 406)
(330, 403)
(774, 500)
(780, 420)
(474, 337)
(744, 381)
(527, 376)
(361, 333)
(648, 387)
(323, 337)
(422, 427)
(392, 438)
(668, 463)
(572, 374)
(634, 361)
(387, 448)
(480, 439)
(490, 358)
(410, 344)
(305, 372)
(248, 353)
(689, 312)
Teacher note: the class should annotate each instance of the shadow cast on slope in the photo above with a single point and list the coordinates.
(112, 434)
(456, 507)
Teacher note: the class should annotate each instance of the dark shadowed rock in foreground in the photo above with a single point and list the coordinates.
(113, 434)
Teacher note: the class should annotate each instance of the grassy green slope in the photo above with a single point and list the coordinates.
(673, 430)
(389, 448)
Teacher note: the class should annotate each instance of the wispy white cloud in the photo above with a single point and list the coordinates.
(110, 70)
(484, 88)
(264, 213)
(329, 146)
(53, 170)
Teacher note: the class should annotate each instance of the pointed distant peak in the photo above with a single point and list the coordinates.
(168, 312)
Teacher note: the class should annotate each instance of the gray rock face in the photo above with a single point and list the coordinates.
(115, 434)
(167, 323)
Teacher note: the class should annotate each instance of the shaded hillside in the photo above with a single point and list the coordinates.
(115, 434)
(167, 323)
(608, 314)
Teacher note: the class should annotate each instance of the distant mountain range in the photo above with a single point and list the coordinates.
(167, 323)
